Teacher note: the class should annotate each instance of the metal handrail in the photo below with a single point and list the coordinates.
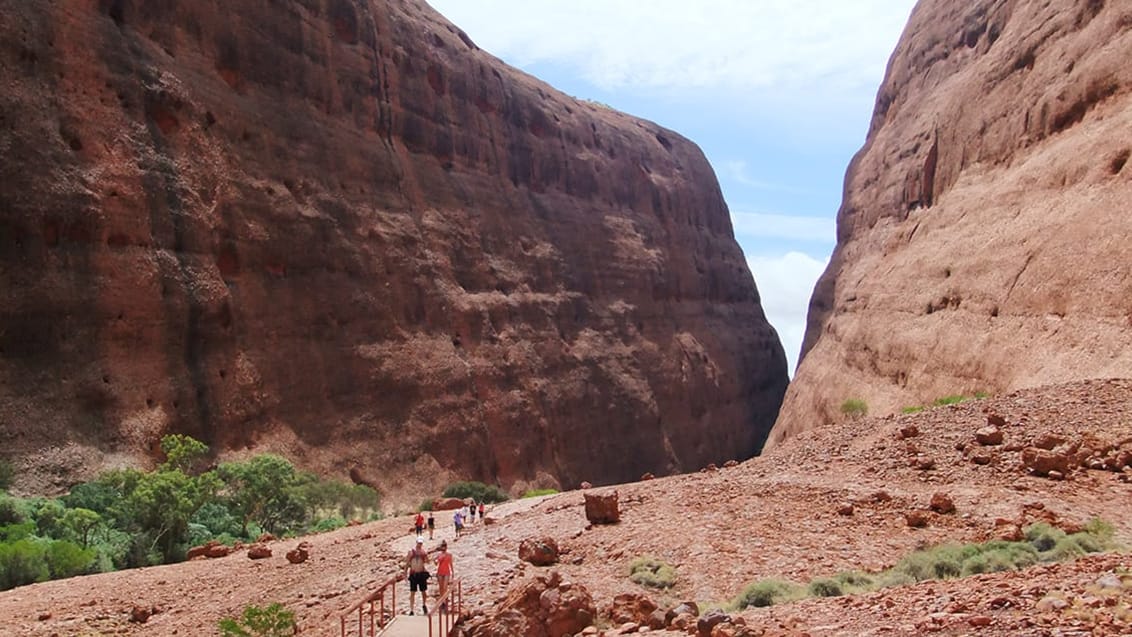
(382, 618)
(446, 611)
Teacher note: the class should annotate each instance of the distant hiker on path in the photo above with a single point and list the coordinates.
(418, 524)
(431, 525)
(458, 520)
(416, 567)
(443, 573)
(481, 511)
(472, 512)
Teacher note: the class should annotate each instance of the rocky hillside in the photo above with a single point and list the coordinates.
(982, 240)
(859, 498)
(338, 230)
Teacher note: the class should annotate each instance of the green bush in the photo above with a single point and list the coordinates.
(426, 505)
(912, 410)
(66, 559)
(825, 587)
(766, 592)
(271, 621)
(329, 524)
(1043, 537)
(934, 563)
(854, 580)
(12, 511)
(855, 408)
(534, 493)
(1101, 530)
(478, 491)
(652, 572)
(1068, 548)
(22, 562)
(954, 399)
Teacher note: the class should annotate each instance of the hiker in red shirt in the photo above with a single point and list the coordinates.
(443, 573)
(418, 524)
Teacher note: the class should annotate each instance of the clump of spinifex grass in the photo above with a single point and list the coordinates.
(652, 572)
(1043, 543)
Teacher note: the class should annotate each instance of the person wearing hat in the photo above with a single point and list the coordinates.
(416, 567)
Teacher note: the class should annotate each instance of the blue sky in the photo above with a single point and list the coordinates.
(777, 93)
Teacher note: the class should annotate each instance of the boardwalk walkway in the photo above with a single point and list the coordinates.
(408, 626)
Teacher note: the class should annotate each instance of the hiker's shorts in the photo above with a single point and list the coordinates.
(418, 581)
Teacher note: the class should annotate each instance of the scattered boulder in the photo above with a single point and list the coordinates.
(989, 436)
(1041, 461)
(994, 420)
(845, 508)
(683, 608)
(907, 431)
(264, 538)
(709, 621)
(881, 496)
(546, 606)
(210, 549)
(299, 554)
(140, 615)
(647, 476)
(602, 508)
(540, 552)
(586, 485)
(258, 552)
(632, 607)
(1048, 441)
(942, 503)
(447, 504)
(916, 519)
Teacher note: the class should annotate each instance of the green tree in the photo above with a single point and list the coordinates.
(81, 523)
(182, 452)
(49, 519)
(479, 491)
(265, 490)
(163, 503)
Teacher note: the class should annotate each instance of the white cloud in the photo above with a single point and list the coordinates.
(805, 46)
(777, 226)
(736, 169)
(785, 284)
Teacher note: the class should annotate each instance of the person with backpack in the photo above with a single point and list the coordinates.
(416, 567)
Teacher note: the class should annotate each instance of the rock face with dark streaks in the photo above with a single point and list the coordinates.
(337, 230)
(983, 237)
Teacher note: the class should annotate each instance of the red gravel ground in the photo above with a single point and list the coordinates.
(783, 515)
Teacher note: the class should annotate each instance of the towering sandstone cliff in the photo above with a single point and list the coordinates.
(983, 240)
(337, 230)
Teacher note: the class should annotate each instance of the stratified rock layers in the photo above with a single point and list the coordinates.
(983, 236)
(337, 230)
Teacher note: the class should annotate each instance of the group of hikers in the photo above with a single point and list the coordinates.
(416, 562)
